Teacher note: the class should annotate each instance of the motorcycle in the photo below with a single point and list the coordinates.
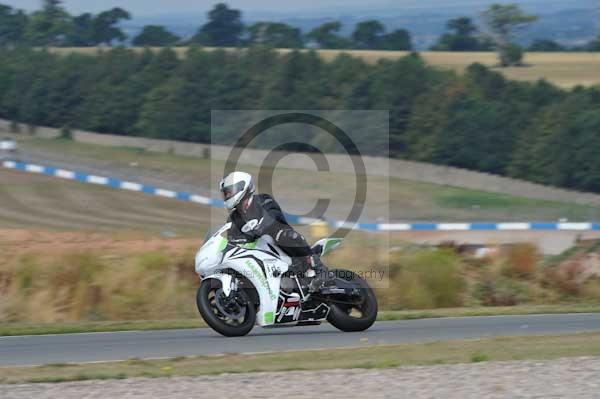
(252, 284)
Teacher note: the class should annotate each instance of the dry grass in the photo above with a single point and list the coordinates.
(15, 329)
(75, 286)
(39, 202)
(68, 282)
(368, 357)
(60, 277)
(388, 199)
(563, 69)
(424, 280)
(522, 260)
(125, 279)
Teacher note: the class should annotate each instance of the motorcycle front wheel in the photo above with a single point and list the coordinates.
(232, 316)
(355, 317)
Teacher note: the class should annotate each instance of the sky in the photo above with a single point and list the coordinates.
(162, 7)
(153, 7)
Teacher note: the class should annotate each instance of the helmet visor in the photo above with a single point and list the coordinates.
(230, 191)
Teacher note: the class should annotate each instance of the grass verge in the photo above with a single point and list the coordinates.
(13, 329)
(488, 311)
(411, 200)
(368, 357)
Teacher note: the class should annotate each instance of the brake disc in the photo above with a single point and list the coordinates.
(226, 308)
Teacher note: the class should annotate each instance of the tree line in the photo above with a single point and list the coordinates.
(53, 26)
(478, 120)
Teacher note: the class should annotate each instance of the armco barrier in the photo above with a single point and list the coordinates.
(184, 196)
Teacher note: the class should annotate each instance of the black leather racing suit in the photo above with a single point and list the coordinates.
(264, 216)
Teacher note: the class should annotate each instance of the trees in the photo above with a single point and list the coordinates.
(371, 35)
(48, 26)
(155, 35)
(12, 25)
(163, 114)
(510, 54)
(453, 126)
(461, 36)
(585, 168)
(81, 33)
(105, 30)
(295, 81)
(462, 27)
(558, 146)
(326, 36)
(92, 30)
(276, 35)
(223, 29)
(383, 92)
(595, 44)
(477, 120)
(504, 22)
(368, 34)
(398, 39)
(545, 45)
(53, 26)
(112, 93)
(483, 121)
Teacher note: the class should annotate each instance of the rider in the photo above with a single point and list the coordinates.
(254, 215)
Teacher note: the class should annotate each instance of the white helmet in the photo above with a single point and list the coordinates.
(235, 187)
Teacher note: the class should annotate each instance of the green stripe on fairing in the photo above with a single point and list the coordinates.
(269, 318)
(329, 244)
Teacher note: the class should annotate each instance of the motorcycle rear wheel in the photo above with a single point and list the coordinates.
(207, 296)
(351, 318)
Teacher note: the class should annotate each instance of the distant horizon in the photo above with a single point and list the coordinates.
(153, 8)
(570, 23)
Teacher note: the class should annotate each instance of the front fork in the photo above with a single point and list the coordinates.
(228, 282)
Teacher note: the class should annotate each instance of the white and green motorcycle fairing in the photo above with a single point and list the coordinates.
(261, 262)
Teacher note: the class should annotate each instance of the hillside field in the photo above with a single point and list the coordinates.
(396, 199)
(566, 70)
(34, 202)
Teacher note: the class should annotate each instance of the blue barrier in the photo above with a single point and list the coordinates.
(294, 219)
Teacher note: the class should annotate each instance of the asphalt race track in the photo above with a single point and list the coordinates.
(90, 347)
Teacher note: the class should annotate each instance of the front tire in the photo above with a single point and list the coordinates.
(350, 318)
(210, 302)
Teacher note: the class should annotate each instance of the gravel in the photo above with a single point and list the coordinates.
(572, 377)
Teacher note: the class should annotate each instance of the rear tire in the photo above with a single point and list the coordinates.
(340, 316)
(205, 299)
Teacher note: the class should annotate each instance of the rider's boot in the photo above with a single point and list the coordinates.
(323, 277)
